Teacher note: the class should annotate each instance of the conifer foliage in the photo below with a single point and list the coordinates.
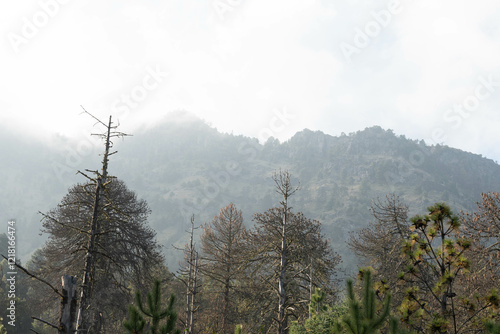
(436, 264)
(152, 309)
(362, 317)
(317, 304)
(136, 323)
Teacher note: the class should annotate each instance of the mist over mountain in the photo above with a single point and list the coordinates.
(186, 167)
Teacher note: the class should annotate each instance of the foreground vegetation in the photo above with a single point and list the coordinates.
(433, 273)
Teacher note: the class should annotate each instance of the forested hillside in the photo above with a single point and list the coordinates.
(352, 197)
(186, 167)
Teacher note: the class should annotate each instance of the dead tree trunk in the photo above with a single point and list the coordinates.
(83, 323)
(68, 301)
(189, 279)
(281, 279)
(191, 284)
(68, 305)
(283, 187)
(194, 291)
(310, 285)
(82, 320)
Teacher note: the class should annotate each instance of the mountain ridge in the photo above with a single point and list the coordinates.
(189, 167)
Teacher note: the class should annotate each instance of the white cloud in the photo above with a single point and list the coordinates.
(261, 56)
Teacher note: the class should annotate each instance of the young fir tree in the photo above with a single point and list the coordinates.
(357, 316)
(317, 304)
(323, 317)
(153, 310)
(136, 323)
(362, 317)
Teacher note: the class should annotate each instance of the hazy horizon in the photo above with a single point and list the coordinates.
(426, 70)
(52, 140)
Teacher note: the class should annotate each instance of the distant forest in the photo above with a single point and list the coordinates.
(181, 228)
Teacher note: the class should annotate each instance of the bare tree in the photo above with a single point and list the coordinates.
(484, 224)
(379, 244)
(223, 262)
(192, 282)
(126, 254)
(281, 248)
(285, 189)
(304, 244)
(94, 233)
(482, 227)
(106, 222)
(188, 275)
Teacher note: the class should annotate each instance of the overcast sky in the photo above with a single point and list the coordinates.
(427, 69)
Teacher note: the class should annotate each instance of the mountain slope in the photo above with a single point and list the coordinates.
(193, 169)
(186, 167)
